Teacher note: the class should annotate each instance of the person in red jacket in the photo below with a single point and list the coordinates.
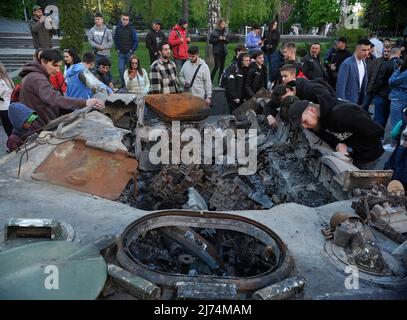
(178, 41)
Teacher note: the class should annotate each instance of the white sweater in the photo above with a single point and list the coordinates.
(140, 84)
(202, 86)
(5, 95)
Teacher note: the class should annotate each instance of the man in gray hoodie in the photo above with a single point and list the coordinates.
(100, 38)
(195, 76)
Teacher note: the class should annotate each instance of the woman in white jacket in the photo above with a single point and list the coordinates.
(6, 88)
(136, 78)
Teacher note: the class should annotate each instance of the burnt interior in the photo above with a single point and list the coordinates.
(203, 251)
(282, 176)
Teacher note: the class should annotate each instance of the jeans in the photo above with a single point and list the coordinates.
(219, 64)
(381, 110)
(7, 126)
(179, 63)
(396, 112)
(367, 100)
(123, 61)
(267, 63)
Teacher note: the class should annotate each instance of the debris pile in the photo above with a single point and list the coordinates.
(281, 176)
(198, 251)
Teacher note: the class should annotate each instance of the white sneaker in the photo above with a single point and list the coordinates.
(389, 148)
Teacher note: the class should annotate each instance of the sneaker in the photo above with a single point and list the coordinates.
(389, 148)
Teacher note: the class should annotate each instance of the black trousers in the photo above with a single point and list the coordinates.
(219, 64)
(8, 127)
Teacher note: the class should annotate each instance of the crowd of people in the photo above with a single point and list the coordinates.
(329, 95)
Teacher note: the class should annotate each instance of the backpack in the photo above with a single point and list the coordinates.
(226, 73)
(178, 33)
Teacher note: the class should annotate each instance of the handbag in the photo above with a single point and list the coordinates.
(193, 79)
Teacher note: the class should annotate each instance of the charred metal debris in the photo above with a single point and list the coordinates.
(283, 174)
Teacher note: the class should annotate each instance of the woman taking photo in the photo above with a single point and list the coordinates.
(6, 88)
(136, 78)
(219, 39)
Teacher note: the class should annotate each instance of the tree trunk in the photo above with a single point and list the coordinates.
(213, 17)
(185, 9)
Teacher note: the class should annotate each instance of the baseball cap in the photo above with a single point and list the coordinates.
(295, 112)
(157, 21)
(36, 7)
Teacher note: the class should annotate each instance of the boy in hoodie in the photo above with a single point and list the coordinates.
(100, 38)
(196, 77)
(38, 94)
(126, 42)
(81, 83)
(25, 121)
(178, 41)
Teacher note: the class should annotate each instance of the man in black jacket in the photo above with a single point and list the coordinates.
(235, 93)
(256, 76)
(312, 66)
(344, 126)
(153, 40)
(334, 59)
(300, 88)
(380, 87)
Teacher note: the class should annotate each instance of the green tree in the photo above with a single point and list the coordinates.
(72, 20)
(15, 9)
(322, 11)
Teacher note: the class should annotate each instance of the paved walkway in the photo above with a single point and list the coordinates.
(13, 26)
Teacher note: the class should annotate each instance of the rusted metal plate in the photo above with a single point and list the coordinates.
(178, 107)
(77, 166)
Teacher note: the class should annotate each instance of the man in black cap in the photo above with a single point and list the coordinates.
(42, 37)
(153, 40)
(334, 58)
(344, 126)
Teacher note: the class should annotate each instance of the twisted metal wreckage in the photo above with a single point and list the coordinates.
(307, 224)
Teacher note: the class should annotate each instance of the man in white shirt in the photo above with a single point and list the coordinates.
(351, 83)
(195, 76)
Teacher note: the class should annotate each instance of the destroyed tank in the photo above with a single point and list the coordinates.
(306, 224)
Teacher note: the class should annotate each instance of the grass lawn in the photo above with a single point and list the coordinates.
(142, 53)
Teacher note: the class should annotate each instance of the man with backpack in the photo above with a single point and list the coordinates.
(226, 73)
(178, 41)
